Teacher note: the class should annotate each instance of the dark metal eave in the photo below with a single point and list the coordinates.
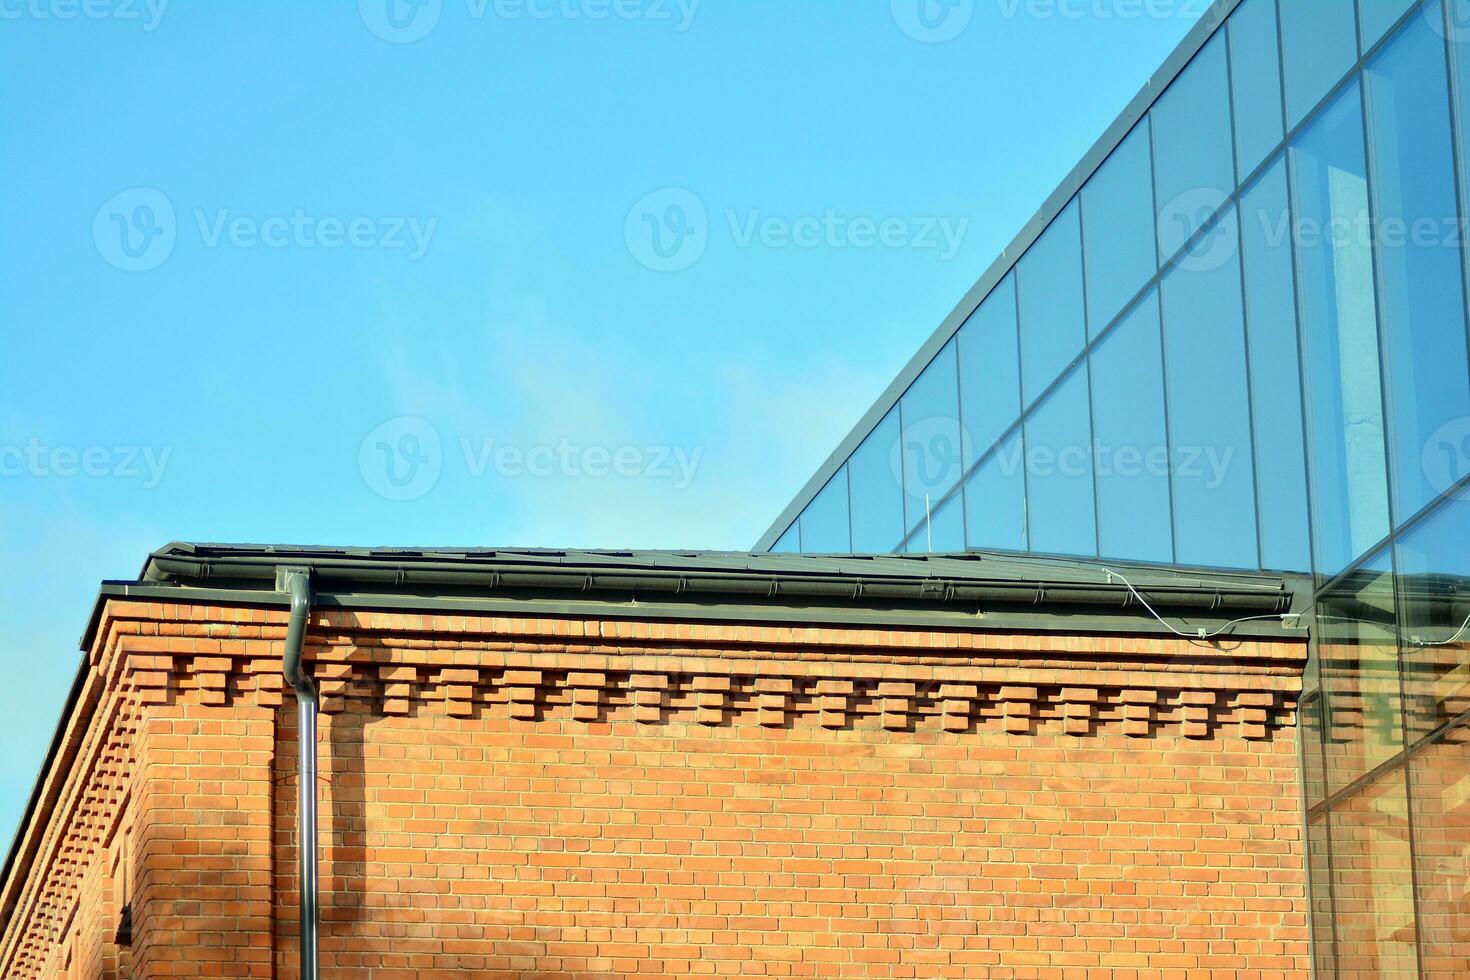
(1136, 109)
(985, 591)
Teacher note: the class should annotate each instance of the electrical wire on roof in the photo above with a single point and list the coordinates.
(1418, 642)
(1202, 634)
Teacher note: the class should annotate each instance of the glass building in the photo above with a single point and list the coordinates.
(1236, 337)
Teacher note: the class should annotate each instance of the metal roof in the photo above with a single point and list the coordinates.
(973, 590)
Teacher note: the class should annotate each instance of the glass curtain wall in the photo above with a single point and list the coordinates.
(1376, 179)
(1127, 389)
(1243, 344)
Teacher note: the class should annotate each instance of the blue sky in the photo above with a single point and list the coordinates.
(307, 273)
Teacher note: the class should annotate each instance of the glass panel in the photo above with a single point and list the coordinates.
(1372, 881)
(1118, 233)
(790, 542)
(1131, 448)
(1053, 322)
(1319, 45)
(875, 481)
(1319, 870)
(1434, 601)
(932, 459)
(1457, 29)
(1422, 299)
(1357, 648)
(1377, 16)
(1340, 337)
(990, 371)
(824, 525)
(1194, 161)
(1276, 388)
(1209, 404)
(945, 534)
(1059, 472)
(995, 500)
(1440, 782)
(1313, 731)
(1255, 78)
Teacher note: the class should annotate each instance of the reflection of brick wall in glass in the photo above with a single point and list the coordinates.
(1436, 686)
(1434, 595)
(1320, 895)
(1358, 657)
(1373, 882)
(1441, 785)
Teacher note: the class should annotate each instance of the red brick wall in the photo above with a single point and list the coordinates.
(202, 842)
(557, 798)
(1440, 779)
(557, 847)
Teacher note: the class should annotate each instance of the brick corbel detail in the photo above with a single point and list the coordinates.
(712, 675)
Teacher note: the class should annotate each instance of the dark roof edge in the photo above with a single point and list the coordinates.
(1136, 109)
(973, 591)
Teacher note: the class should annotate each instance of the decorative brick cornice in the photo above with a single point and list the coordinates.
(88, 798)
(657, 673)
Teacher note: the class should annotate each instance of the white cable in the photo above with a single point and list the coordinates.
(1200, 634)
(1442, 643)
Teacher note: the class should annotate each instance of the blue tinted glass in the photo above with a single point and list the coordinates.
(1255, 77)
(1194, 161)
(1132, 447)
(825, 529)
(1060, 511)
(1053, 322)
(1318, 44)
(1339, 336)
(875, 483)
(1434, 596)
(1276, 389)
(1422, 299)
(995, 500)
(932, 458)
(1378, 16)
(1118, 230)
(1209, 404)
(990, 371)
(1457, 26)
(943, 533)
(790, 542)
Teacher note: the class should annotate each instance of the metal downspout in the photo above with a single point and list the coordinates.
(297, 582)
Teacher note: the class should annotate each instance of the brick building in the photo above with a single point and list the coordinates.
(537, 764)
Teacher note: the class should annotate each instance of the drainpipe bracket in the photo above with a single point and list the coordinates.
(284, 573)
